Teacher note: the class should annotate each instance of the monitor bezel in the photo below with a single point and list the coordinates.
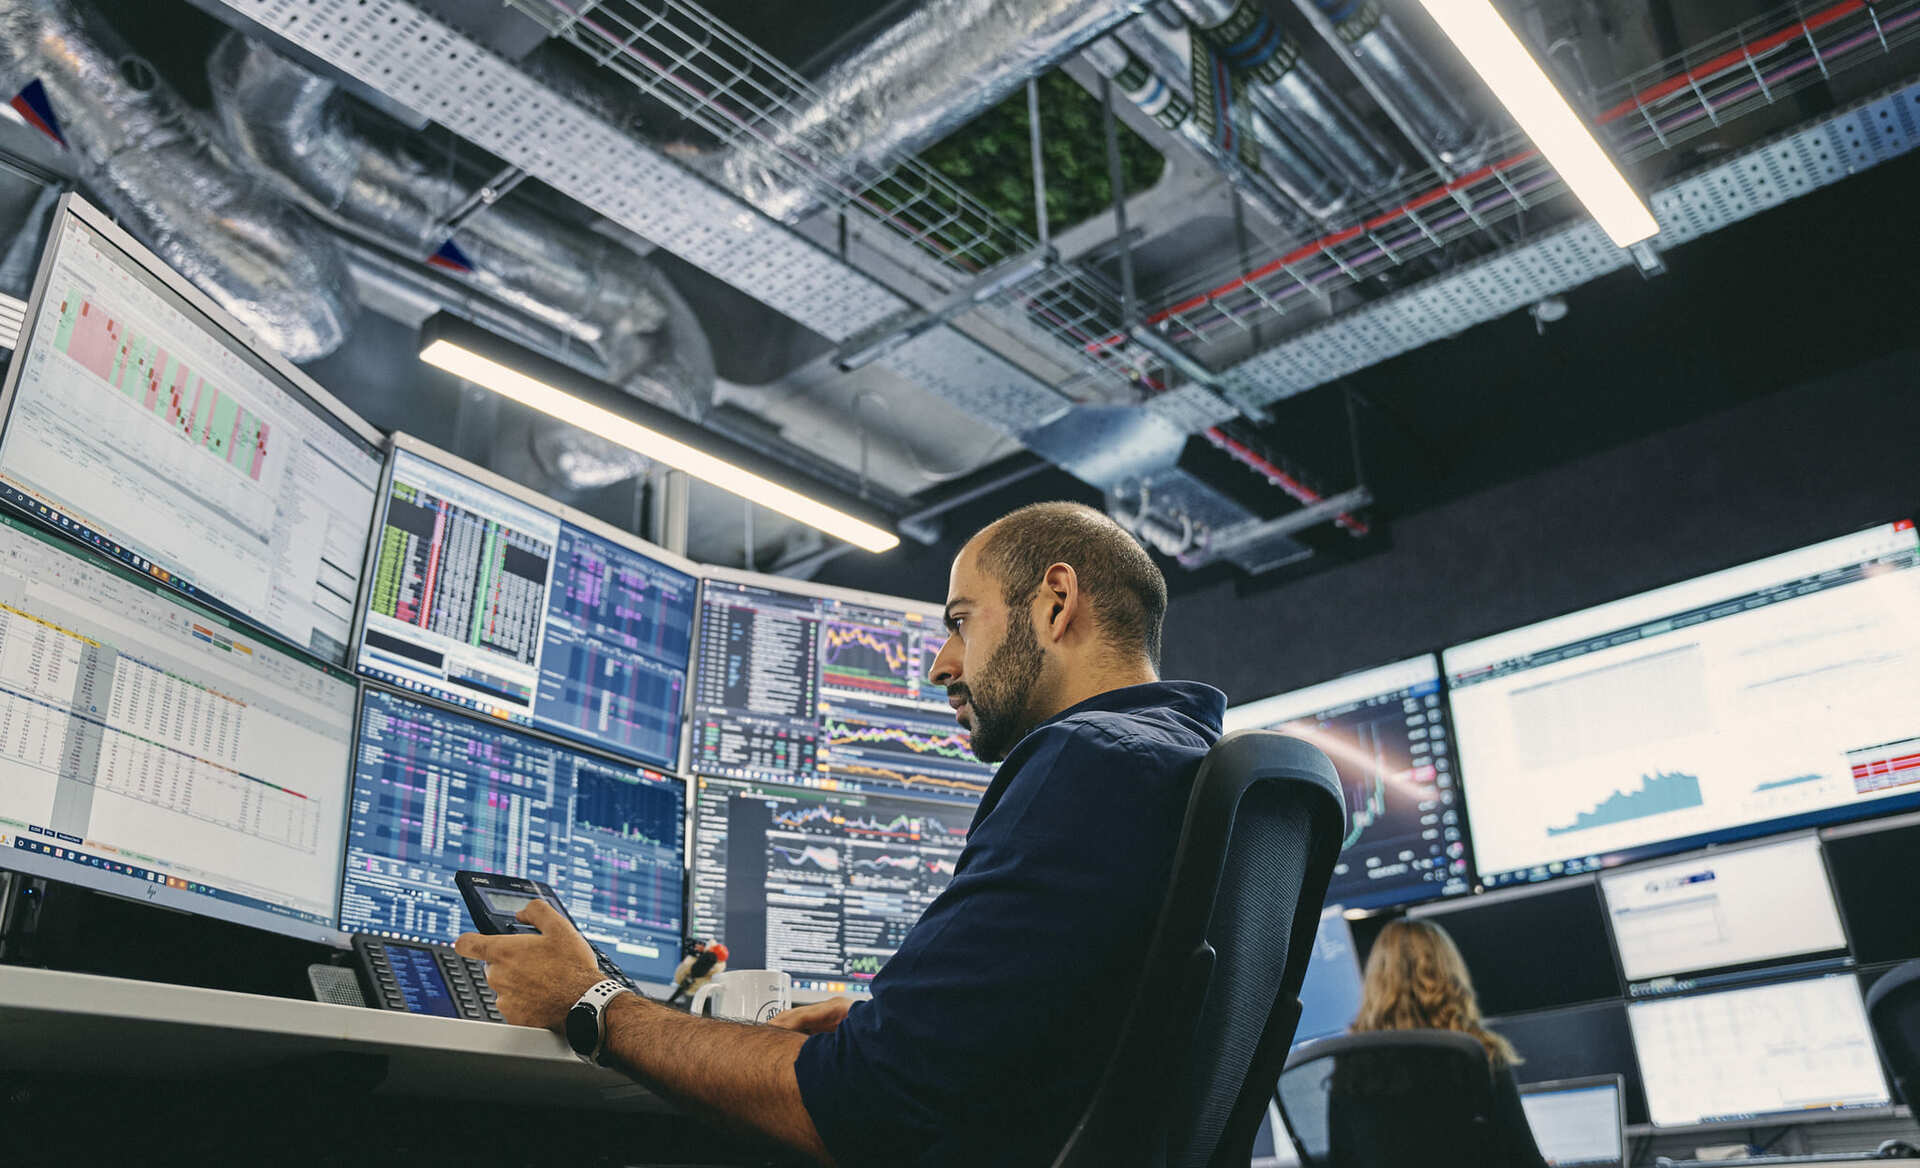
(1587, 1083)
(1248, 716)
(366, 686)
(1677, 845)
(399, 442)
(1740, 972)
(1828, 1115)
(72, 206)
(132, 888)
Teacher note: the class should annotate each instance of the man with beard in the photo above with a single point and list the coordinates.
(987, 1031)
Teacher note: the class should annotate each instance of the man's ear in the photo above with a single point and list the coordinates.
(1060, 587)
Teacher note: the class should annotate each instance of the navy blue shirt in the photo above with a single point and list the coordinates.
(989, 1028)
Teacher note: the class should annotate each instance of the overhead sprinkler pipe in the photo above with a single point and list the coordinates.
(1425, 106)
(1267, 62)
(1278, 183)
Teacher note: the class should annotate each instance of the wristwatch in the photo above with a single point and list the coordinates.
(587, 1021)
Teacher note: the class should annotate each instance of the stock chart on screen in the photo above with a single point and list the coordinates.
(435, 792)
(1386, 731)
(826, 691)
(485, 600)
(153, 749)
(1748, 701)
(822, 885)
(140, 426)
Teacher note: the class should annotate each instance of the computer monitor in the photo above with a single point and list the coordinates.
(435, 792)
(1578, 1123)
(825, 688)
(1786, 1050)
(1532, 948)
(488, 596)
(1730, 909)
(1386, 731)
(1576, 1042)
(1330, 995)
(153, 748)
(1754, 700)
(148, 424)
(824, 885)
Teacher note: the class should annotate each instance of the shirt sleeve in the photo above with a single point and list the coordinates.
(998, 1011)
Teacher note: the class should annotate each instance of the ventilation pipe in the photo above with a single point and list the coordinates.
(293, 127)
(926, 75)
(142, 153)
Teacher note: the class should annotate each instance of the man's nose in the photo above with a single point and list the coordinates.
(945, 669)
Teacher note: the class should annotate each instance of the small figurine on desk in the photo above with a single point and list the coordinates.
(702, 961)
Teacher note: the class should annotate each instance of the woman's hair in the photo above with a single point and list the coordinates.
(1416, 980)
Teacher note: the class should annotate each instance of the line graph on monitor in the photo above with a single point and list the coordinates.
(867, 659)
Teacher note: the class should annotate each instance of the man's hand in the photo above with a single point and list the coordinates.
(536, 978)
(815, 1019)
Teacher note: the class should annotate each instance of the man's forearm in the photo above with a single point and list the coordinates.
(737, 1071)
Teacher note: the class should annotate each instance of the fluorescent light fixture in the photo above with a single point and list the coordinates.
(1484, 39)
(465, 361)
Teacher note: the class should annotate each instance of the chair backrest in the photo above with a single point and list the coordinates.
(1199, 1051)
(1893, 1007)
(1387, 1098)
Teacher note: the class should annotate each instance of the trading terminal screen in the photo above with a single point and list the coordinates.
(1386, 731)
(435, 792)
(1723, 909)
(1773, 1051)
(1764, 697)
(1330, 995)
(143, 428)
(825, 692)
(822, 885)
(153, 749)
(495, 605)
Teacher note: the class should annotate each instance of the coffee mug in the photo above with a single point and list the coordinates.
(746, 995)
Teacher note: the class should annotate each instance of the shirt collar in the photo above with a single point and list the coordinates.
(1202, 703)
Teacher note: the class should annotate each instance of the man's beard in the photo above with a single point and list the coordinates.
(1001, 696)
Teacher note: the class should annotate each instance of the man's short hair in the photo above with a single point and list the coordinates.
(1123, 584)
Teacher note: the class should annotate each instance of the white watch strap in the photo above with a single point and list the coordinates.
(601, 992)
(596, 998)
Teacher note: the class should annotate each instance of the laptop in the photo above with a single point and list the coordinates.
(1578, 1123)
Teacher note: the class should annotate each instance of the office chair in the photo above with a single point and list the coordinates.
(1203, 1042)
(1387, 1098)
(1893, 1007)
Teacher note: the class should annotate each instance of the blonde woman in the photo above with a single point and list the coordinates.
(1416, 980)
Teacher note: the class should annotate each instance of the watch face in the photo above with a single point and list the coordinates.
(583, 1030)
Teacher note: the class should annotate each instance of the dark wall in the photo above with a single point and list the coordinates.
(1789, 469)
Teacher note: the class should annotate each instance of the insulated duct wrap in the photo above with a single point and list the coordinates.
(923, 77)
(293, 126)
(141, 152)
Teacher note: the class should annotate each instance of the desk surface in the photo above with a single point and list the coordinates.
(75, 1022)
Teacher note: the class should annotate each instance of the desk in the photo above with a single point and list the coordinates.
(56, 1023)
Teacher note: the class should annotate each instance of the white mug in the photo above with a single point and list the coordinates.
(746, 995)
